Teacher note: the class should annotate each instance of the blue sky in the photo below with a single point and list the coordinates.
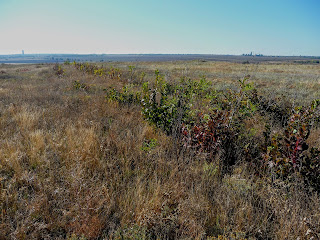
(271, 27)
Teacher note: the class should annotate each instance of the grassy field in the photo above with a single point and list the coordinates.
(81, 158)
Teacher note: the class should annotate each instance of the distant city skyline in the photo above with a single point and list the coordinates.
(284, 28)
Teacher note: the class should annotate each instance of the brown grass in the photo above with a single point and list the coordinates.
(72, 164)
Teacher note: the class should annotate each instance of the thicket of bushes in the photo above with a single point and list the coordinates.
(206, 120)
(214, 122)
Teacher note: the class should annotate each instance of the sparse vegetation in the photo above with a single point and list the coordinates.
(181, 150)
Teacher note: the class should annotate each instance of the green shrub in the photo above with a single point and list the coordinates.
(161, 108)
(78, 85)
(289, 155)
(126, 96)
(58, 70)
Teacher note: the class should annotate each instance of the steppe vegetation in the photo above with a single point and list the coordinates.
(170, 150)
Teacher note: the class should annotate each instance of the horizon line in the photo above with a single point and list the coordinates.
(225, 54)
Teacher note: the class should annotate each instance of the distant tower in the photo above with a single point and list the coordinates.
(22, 52)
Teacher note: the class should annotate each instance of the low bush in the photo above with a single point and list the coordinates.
(126, 96)
(58, 70)
(289, 154)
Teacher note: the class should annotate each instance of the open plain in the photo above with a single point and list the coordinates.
(112, 150)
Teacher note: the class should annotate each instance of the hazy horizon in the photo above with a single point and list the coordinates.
(83, 54)
(272, 28)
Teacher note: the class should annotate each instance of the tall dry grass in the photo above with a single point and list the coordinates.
(73, 166)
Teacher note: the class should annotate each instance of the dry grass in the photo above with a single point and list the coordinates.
(72, 164)
(296, 81)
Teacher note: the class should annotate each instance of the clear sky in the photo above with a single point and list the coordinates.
(270, 27)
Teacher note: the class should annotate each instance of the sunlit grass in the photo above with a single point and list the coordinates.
(74, 165)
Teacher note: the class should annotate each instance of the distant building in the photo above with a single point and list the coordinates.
(253, 54)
